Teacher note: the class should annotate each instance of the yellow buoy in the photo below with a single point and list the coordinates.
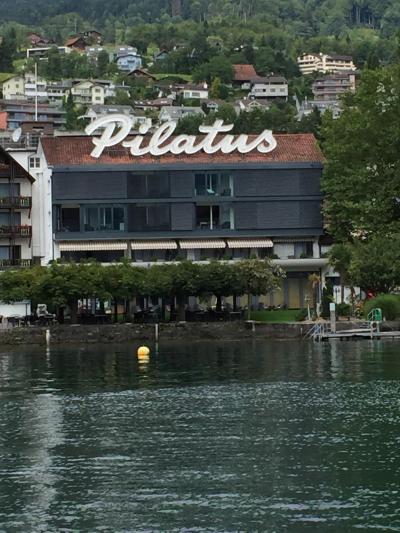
(143, 351)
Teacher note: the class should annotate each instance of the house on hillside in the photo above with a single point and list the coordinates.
(175, 113)
(92, 36)
(161, 55)
(242, 76)
(77, 43)
(36, 40)
(138, 116)
(309, 63)
(195, 91)
(88, 92)
(329, 88)
(246, 105)
(269, 87)
(141, 74)
(129, 62)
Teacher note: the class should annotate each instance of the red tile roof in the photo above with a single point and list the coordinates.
(71, 151)
(244, 72)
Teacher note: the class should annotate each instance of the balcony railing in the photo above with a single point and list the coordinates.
(15, 231)
(18, 202)
(22, 263)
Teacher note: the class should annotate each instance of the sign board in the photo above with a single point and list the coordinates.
(115, 128)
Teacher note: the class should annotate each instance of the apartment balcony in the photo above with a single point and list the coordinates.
(15, 263)
(15, 231)
(15, 202)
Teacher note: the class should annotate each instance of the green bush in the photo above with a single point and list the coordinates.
(343, 309)
(301, 315)
(389, 303)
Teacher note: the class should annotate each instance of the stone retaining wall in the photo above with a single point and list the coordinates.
(186, 331)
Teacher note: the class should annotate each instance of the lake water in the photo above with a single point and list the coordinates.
(241, 436)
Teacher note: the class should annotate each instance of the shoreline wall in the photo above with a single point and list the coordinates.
(185, 331)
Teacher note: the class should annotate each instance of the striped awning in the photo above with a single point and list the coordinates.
(201, 244)
(92, 246)
(154, 245)
(250, 243)
(291, 241)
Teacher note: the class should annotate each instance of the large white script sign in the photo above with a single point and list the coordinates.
(116, 128)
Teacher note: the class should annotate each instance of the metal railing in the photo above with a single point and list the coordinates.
(318, 330)
(16, 201)
(6, 263)
(16, 231)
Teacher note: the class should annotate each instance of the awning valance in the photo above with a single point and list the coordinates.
(250, 243)
(293, 241)
(154, 245)
(92, 246)
(202, 244)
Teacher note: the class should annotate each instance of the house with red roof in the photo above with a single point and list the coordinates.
(242, 76)
(234, 203)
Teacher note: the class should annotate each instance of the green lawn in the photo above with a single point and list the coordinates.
(186, 77)
(4, 76)
(278, 315)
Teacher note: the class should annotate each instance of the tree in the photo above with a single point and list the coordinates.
(186, 281)
(121, 282)
(361, 178)
(340, 256)
(375, 264)
(64, 284)
(189, 125)
(102, 63)
(217, 67)
(72, 113)
(7, 53)
(258, 277)
(218, 280)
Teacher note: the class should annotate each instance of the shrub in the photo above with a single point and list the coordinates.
(343, 309)
(301, 315)
(389, 303)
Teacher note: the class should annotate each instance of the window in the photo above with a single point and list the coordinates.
(8, 219)
(34, 162)
(148, 185)
(68, 219)
(150, 217)
(213, 184)
(212, 217)
(9, 190)
(104, 218)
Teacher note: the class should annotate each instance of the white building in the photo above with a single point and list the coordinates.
(174, 113)
(195, 92)
(43, 51)
(269, 87)
(88, 92)
(309, 63)
(16, 208)
(138, 116)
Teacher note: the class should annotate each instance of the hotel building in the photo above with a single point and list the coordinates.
(196, 207)
(309, 63)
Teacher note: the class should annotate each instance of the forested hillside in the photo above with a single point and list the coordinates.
(309, 16)
(303, 17)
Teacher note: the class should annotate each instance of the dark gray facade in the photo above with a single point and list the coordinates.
(274, 200)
